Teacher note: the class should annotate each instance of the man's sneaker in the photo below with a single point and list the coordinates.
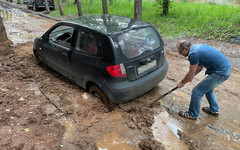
(207, 110)
(186, 114)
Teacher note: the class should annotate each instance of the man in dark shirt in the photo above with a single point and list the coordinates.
(218, 69)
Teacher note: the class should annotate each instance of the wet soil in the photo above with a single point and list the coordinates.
(40, 109)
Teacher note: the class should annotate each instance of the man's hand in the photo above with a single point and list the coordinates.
(180, 85)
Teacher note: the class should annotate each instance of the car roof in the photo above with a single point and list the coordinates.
(107, 24)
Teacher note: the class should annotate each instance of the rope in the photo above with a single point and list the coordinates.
(223, 131)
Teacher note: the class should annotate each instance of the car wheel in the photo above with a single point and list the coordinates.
(39, 59)
(97, 92)
(35, 7)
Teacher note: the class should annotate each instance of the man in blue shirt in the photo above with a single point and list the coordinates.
(218, 69)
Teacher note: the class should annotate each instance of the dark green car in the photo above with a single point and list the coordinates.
(115, 58)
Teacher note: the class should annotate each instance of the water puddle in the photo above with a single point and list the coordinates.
(21, 30)
(113, 141)
(165, 130)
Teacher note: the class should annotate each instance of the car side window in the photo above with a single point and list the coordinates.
(62, 35)
(88, 44)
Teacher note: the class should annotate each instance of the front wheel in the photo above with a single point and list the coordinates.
(39, 59)
(97, 92)
(35, 7)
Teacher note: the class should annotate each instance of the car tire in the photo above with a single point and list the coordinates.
(35, 7)
(39, 60)
(97, 92)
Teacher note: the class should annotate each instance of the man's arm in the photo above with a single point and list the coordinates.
(199, 69)
(193, 70)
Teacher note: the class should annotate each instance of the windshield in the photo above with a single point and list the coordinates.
(134, 42)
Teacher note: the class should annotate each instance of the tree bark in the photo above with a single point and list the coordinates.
(46, 6)
(138, 9)
(165, 7)
(3, 34)
(79, 7)
(104, 5)
(110, 2)
(60, 7)
(91, 2)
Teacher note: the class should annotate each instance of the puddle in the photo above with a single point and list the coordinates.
(165, 131)
(5, 15)
(113, 141)
(21, 30)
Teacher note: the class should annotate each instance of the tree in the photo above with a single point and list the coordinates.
(3, 34)
(46, 6)
(138, 9)
(79, 7)
(166, 7)
(60, 7)
(104, 5)
(110, 2)
(163, 5)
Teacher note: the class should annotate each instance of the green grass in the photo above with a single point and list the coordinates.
(185, 19)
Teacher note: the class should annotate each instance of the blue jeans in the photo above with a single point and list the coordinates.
(206, 87)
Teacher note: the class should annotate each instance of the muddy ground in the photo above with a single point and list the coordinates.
(40, 109)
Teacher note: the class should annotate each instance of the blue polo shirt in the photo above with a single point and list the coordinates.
(210, 58)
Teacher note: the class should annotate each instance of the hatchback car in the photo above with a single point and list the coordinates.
(115, 58)
(39, 4)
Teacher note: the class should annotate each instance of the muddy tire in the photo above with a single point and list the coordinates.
(34, 7)
(97, 92)
(39, 60)
(27, 6)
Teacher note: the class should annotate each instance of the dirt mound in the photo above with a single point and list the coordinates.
(5, 47)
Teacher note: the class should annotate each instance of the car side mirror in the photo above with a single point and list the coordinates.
(44, 38)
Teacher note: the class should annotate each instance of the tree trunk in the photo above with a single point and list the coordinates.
(46, 6)
(110, 2)
(91, 2)
(3, 34)
(79, 7)
(165, 7)
(138, 9)
(60, 7)
(104, 5)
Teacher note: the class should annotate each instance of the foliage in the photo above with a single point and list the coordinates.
(184, 19)
(159, 4)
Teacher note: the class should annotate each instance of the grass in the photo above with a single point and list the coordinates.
(185, 19)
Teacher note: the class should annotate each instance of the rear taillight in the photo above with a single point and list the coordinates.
(117, 70)
(38, 0)
(52, 1)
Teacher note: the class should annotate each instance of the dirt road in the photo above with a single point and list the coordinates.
(40, 109)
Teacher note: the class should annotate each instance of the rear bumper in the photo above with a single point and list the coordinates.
(126, 91)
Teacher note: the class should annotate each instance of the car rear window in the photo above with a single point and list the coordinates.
(135, 42)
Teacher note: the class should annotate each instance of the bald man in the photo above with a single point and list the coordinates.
(218, 70)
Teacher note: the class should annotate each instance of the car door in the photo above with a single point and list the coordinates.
(85, 58)
(57, 49)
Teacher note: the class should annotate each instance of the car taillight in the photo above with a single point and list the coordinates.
(37, 0)
(117, 70)
(52, 1)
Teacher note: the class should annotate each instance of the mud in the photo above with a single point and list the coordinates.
(41, 109)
